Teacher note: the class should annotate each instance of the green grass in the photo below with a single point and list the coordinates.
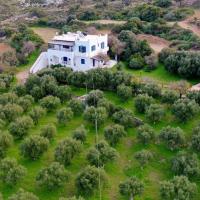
(123, 167)
(160, 74)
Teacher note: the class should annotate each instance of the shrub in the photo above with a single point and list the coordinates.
(93, 97)
(136, 62)
(169, 96)
(63, 93)
(36, 113)
(152, 89)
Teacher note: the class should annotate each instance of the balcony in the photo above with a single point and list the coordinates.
(59, 47)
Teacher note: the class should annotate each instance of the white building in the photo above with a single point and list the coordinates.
(78, 51)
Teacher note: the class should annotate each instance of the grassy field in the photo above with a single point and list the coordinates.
(123, 167)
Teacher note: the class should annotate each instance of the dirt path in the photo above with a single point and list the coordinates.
(156, 43)
(187, 25)
(22, 76)
(106, 22)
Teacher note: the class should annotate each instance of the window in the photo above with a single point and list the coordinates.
(65, 59)
(102, 45)
(82, 61)
(82, 49)
(93, 48)
(66, 46)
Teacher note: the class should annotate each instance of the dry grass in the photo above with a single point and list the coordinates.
(156, 43)
(45, 33)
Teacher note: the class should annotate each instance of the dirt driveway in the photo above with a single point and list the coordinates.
(22, 76)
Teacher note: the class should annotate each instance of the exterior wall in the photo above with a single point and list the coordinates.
(56, 53)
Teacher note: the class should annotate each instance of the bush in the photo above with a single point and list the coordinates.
(11, 172)
(53, 176)
(33, 147)
(145, 134)
(50, 103)
(48, 131)
(173, 137)
(64, 93)
(136, 62)
(6, 141)
(151, 62)
(66, 150)
(114, 133)
(163, 3)
(80, 134)
(64, 115)
(124, 92)
(20, 127)
(152, 89)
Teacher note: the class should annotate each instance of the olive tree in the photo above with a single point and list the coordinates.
(77, 106)
(178, 188)
(174, 138)
(11, 172)
(186, 164)
(50, 103)
(143, 157)
(93, 97)
(195, 141)
(64, 115)
(6, 141)
(48, 131)
(87, 181)
(95, 115)
(184, 109)
(23, 195)
(66, 150)
(113, 133)
(52, 176)
(101, 154)
(155, 113)
(124, 92)
(36, 113)
(145, 134)
(124, 117)
(131, 187)
(80, 134)
(33, 147)
(20, 127)
(169, 96)
(142, 102)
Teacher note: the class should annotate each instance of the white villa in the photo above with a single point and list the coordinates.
(79, 51)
